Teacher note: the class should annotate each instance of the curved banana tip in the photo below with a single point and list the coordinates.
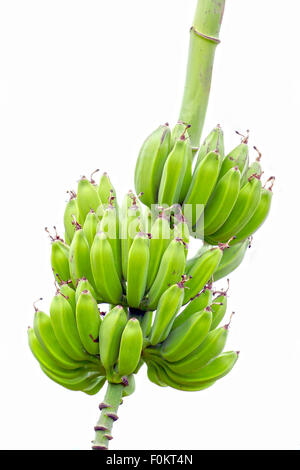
(92, 174)
(72, 194)
(223, 292)
(227, 326)
(34, 306)
(258, 158)
(272, 181)
(245, 138)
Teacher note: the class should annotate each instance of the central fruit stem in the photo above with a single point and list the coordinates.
(204, 39)
(109, 408)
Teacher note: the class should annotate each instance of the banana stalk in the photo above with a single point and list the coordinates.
(109, 409)
(203, 41)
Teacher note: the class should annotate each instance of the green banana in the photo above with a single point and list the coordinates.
(60, 260)
(170, 271)
(87, 199)
(244, 208)
(147, 219)
(65, 328)
(146, 323)
(187, 337)
(232, 258)
(150, 164)
(90, 226)
(71, 212)
(85, 381)
(168, 306)
(82, 285)
(130, 388)
(181, 231)
(239, 157)
(158, 243)
(41, 354)
(130, 347)
(218, 310)
(131, 224)
(210, 348)
(110, 333)
(257, 218)
(104, 270)
(111, 227)
(187, 179)
(45, 335)
(69, 293)
(88, 322)
(254, 168)
(201, 272)
(153, 375)
(137, 271)
(214, 370)
(174, 172)
(222, 201)
(166, 376)
(203, 182)
(214, 141)
(196, 304)
(106, 192)
(79, 258)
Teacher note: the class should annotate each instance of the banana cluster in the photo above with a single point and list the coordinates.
(77, 349)
(128, 256)
(222, 197)
(186, 353)
(80, 348)
(161, 307)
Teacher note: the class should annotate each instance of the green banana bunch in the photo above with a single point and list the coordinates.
(190, 357)
(163, 310)
(55, 343)
(220, 197)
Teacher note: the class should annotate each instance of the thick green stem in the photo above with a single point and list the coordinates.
(109, 408)
(203, 41)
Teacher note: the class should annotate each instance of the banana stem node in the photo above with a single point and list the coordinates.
(205, 36)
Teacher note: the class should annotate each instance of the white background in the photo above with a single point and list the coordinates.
(82, 84)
